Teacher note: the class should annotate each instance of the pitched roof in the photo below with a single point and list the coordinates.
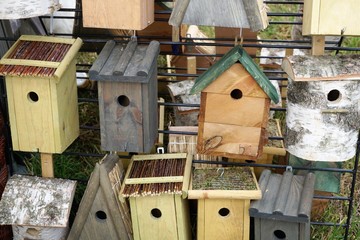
(237, 54)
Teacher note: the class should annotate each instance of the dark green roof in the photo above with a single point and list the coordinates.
(237, 54)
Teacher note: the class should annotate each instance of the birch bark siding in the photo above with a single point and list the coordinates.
(15, 9)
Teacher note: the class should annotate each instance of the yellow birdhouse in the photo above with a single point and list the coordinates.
(42, 95)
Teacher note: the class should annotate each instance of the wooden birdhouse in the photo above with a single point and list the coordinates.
(42, 95)
(37, 208)
(118, 14)
(127, 86)
(322, 106)
(331, 17)
(223, 196)
(232, 13)
(101, 215)
(234, 108)
(284, 210)
(156, 186)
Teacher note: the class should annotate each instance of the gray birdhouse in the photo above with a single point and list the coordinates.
(127, 86)
(285, 208)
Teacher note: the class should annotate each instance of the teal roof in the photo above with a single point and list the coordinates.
(237, 54)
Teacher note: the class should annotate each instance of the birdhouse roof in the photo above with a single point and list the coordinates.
(286, 197)
(237, 54)
(325, 67)
(232, 13)
(35, 201)
(125, 63)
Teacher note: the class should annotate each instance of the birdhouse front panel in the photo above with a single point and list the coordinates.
(127, 89)
(323, 107)
(118, 14)
(331, 17)
(42, 93)
(233, 115)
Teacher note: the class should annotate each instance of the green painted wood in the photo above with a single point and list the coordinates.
(237, 54)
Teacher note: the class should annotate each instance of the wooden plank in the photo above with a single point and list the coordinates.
(158, 156)
(112, 61)
(246, 220)
(224, 194)
(134, 217)
(25, 62)
(187, 175)
(182, 218)
(307, 196)
(47, 165)
(282, 197)
(178, 12)
(146, 65)
(50, 39)
(147, 180)
(191, 66)
(256, 14)
(318, 45)
(311, 17)
(101, 59)
(10, 93)
(201, 217)
(124, 58)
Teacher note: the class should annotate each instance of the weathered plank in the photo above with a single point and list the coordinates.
(125, 58)
(178, 12)
(256, 14)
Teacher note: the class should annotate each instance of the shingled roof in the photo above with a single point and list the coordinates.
(237, 54)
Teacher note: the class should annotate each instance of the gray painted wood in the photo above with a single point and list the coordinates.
(102, 58)
(121, 66)
(151, 54)
(285, 197)
(256, 14)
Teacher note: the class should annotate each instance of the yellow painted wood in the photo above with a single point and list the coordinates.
(311, 13)
(136, 14)
(11, 112)
(191, 66)
(134, 218)
(318, 45)
(46, 39)
(148, 180)
(47, 165)
(187, 175)
(246, 220)
(201, 219)
(24, 62)
(182, 218)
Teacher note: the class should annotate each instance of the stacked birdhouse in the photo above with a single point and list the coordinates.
(157, 186)
(127, 86)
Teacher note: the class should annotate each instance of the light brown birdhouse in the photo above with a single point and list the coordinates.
(42, 94)
(127, 86)
(234, 108)
(331, 17)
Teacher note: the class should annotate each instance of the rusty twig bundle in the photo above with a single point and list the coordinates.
(155, 168)
(35, 50)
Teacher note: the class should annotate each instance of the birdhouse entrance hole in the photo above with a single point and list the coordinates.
(279, 234)
(101, 215)
(224, 212)
(123, 100)
(236, 94)
(33, 97)
(156, 213)
(334, 95)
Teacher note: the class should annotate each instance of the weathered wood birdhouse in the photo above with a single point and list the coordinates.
(118, 14)
(331, 17)
(285, 207)
(223, 196)
(232, 13)
(234, 108)
(157, 186)
(101, 215)
(322, 106)
(127, 86)
(37, 208)
(42, 94)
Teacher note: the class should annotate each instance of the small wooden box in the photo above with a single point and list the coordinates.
(42, 93)
(118, 14)
(331, 17)
(223, 211)
(158, 207)
(285, 208)
(37, 208)
(127, 86)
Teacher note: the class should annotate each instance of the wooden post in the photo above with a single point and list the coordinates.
(47, 165)
(318, 45)
(191, 66)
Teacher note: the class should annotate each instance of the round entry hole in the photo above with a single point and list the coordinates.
(156, 213)
(279, 234)
(123, 100)
(334, 95)
(33, 97)
(224, 212)
(236, 94)
(101, 215)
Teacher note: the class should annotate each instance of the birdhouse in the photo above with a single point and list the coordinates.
(118, 14)
(127, 86)
(37, 208)
(16, 9)
(284, 210)
(234, 108)
(42, 95)
(223, 196)
(101, 215)
(331, 17)
(156, 186)
(233, 13)
(322, 106)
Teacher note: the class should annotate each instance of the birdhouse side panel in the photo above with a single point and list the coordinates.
(121, 116)
(118, 14)
(242, 111)
(65, 109)
(31, 114)
(331, 17)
